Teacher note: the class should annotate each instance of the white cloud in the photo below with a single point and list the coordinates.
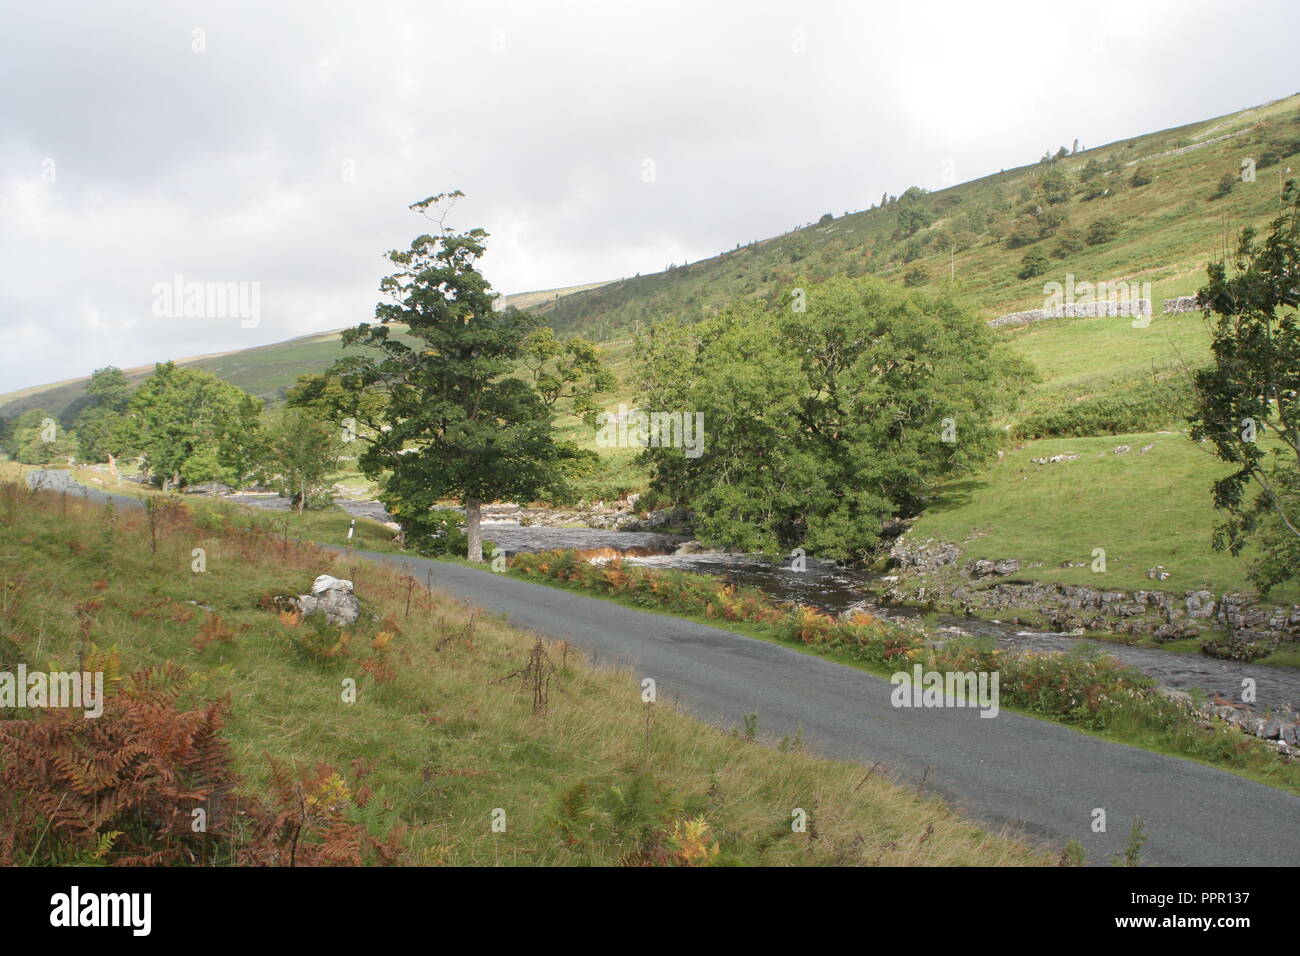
(288, 152)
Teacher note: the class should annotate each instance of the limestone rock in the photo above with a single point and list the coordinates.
(332, 597)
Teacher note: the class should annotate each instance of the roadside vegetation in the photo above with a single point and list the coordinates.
(223, 700)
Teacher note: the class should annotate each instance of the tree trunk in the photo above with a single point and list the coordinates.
(112, 468)
(473, 512)
(302, 496)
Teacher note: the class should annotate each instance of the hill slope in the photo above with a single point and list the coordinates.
(1168, 229)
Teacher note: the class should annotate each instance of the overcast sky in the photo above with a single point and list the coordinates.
(280, 143)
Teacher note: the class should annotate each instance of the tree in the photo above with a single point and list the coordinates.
(570, 370)
(1248, 401)
(98, 426)
(192, 427)
(916, 276)
(822, 425)
(36, 438)
(1225, 187)
(453, 420)
(109, 388)
(302, 450)
(912, 216)
(1055, 185)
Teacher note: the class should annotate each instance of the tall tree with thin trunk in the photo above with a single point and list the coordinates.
(454, 422)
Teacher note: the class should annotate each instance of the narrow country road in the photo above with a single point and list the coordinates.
(1043, 778)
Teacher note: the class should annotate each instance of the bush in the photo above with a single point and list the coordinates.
(442, 533)
(1071, 242)
(1033, 264)
(916, 276)
(1141, 406)
(1103, 230)
(1141, 177)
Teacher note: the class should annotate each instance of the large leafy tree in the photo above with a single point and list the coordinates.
(1248, 400)
(99, 422)
(453, 422)
(192, 427)
(820, 425)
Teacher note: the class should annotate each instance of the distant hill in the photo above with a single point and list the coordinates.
(1167, 230)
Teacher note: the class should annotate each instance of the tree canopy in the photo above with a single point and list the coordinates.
(821, 425)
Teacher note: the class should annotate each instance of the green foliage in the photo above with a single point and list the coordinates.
(452, 420)
(1248, 401)
(1055, 185)
(1225, 187)
(1102, 230)
(442, 534)
(916, 276)
(1141, 177)
(192, 427)
(1144, 404)
(1033, 264)
(569, 370)
(822, 424)
(36, 438)
(302, 450)
(1070, 242)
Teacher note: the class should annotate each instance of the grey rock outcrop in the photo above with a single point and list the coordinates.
(332, 597)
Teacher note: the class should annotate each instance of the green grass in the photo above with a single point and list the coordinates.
(1142, 509)
(448, 736)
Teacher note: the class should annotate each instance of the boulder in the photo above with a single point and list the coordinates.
(332, 597)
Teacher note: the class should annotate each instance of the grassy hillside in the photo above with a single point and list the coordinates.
(1144, 508)
(1169, 228)
(440, 734)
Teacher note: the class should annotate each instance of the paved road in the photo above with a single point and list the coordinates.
(1044, 778)
(1041, 777)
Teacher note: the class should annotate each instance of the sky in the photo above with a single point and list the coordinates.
(278, 146)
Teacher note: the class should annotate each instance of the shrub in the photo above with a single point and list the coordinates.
(442, 532)
(1139, 406)
(916, 276)
(1140, 177)
(1103, 230)
(120, 788)
(1033, 264)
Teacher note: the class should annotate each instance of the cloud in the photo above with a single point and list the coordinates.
(281, 143)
